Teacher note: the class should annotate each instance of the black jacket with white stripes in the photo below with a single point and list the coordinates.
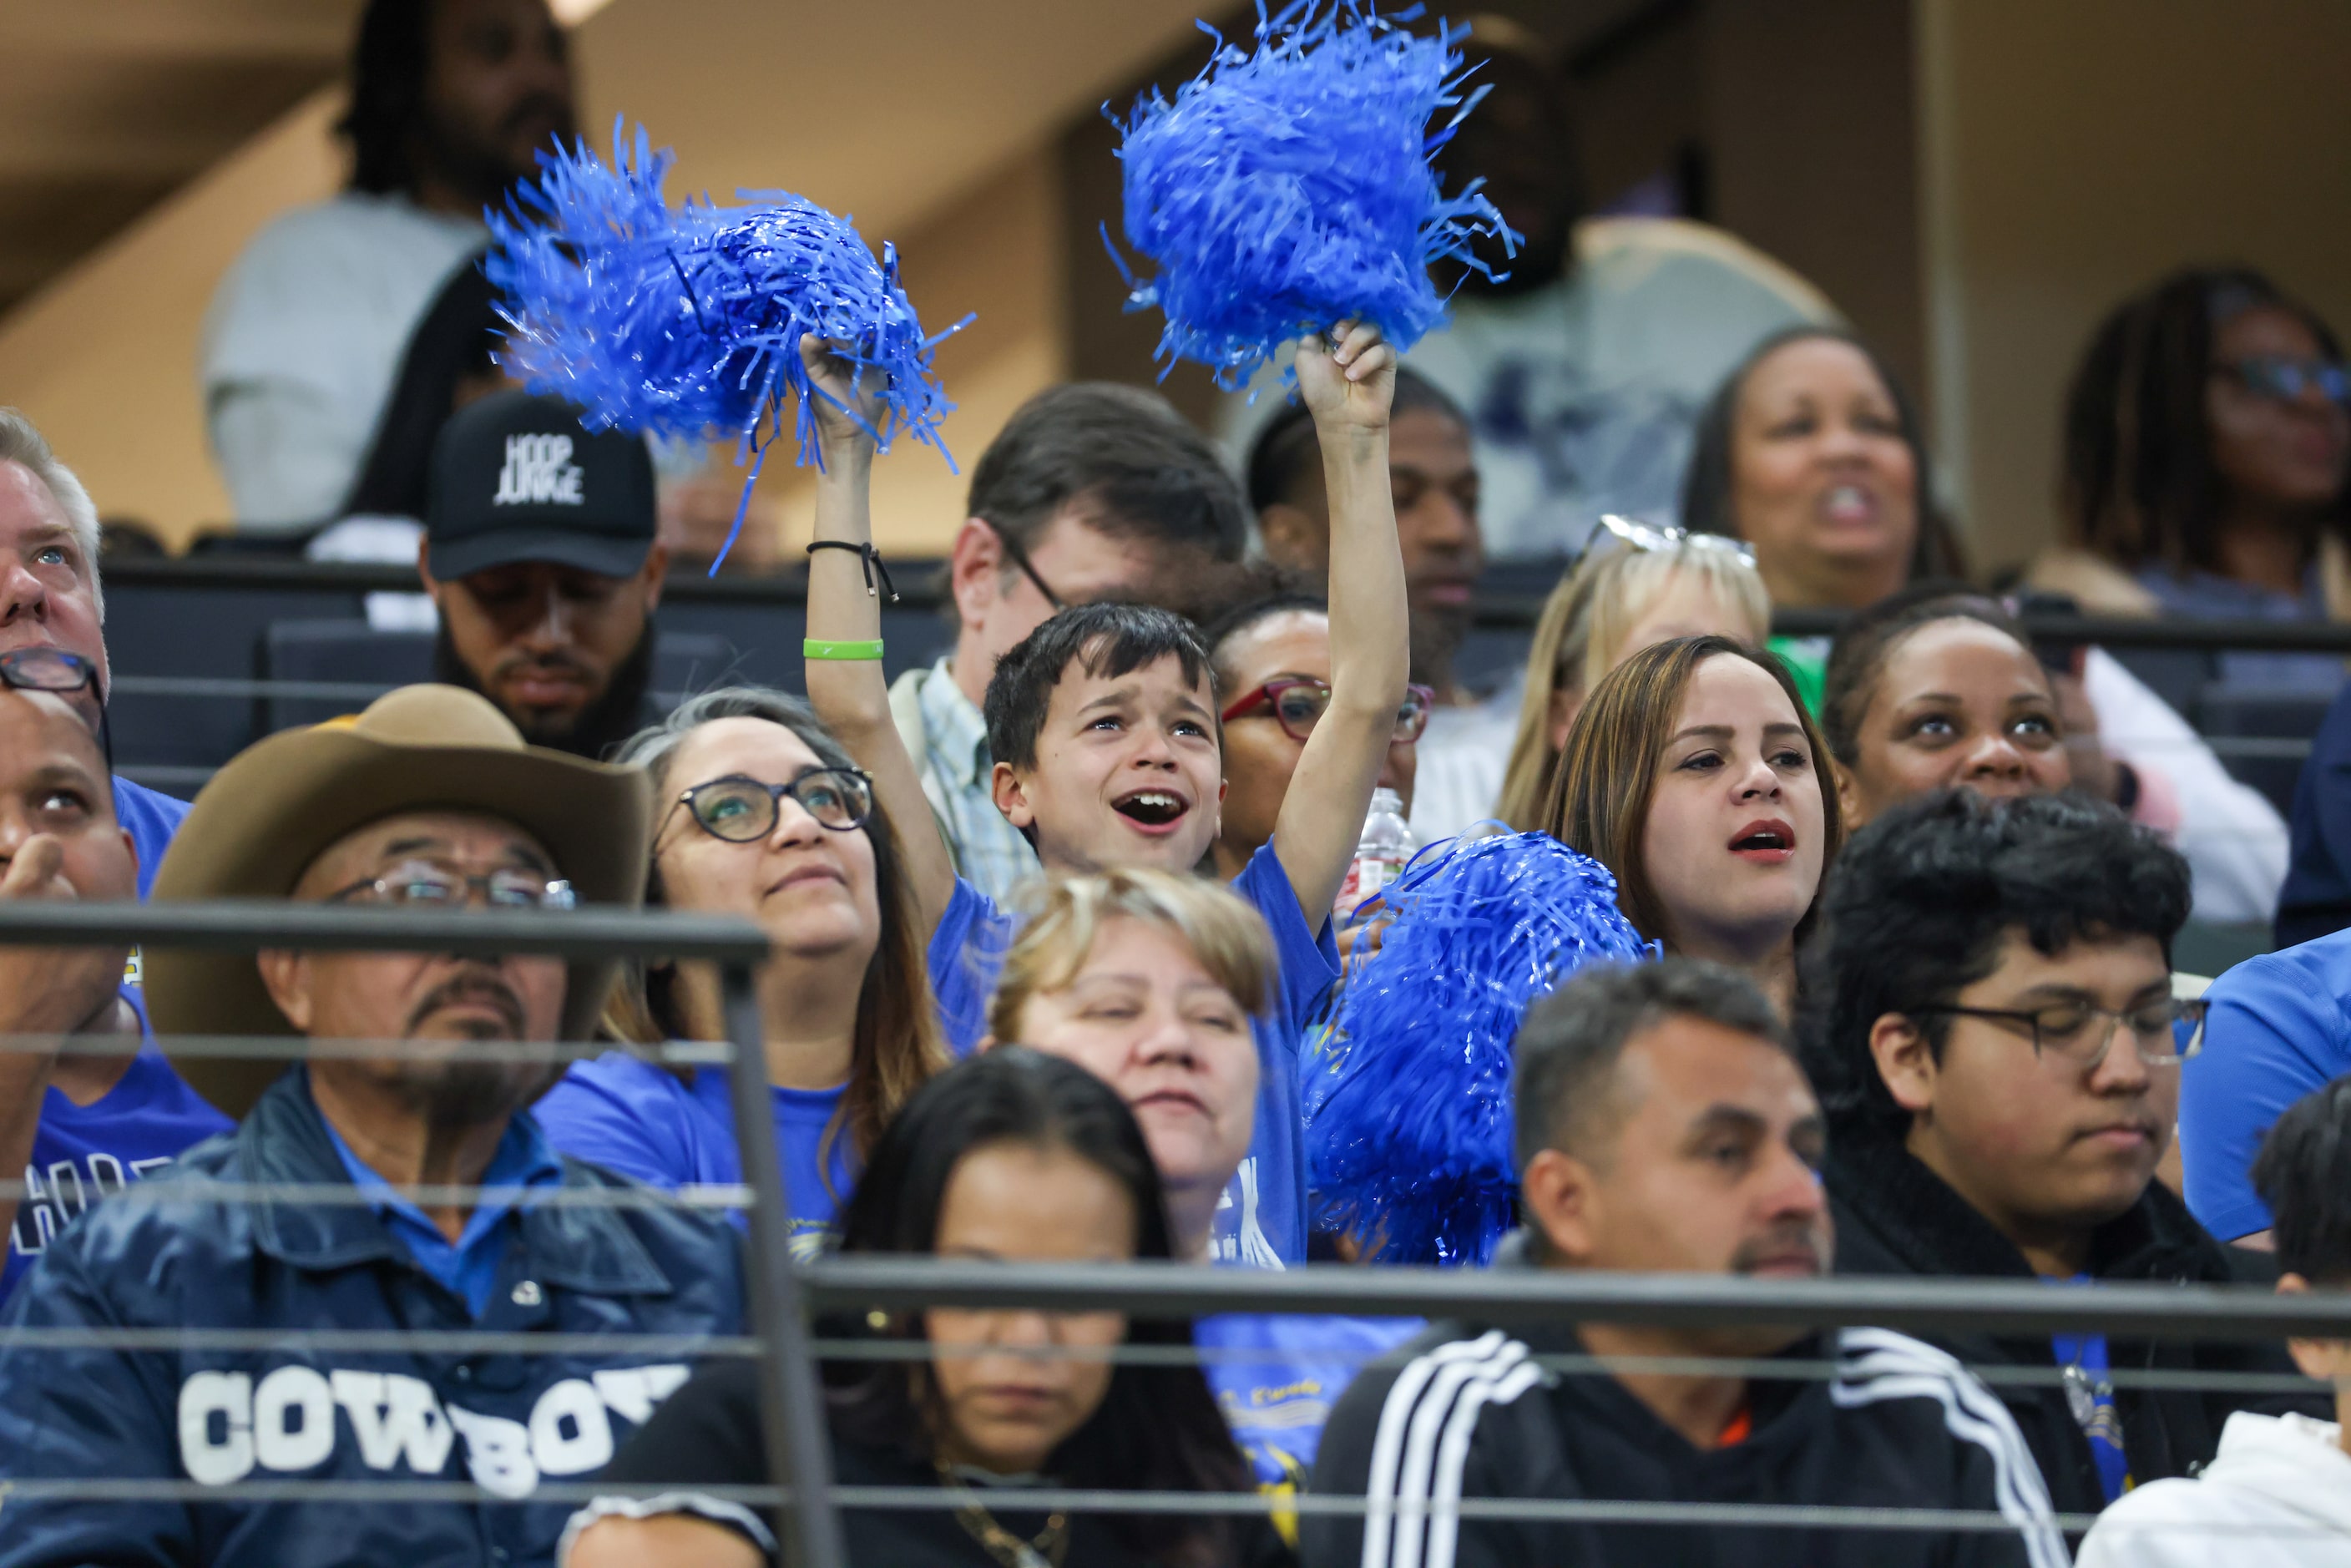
(1463, 1413)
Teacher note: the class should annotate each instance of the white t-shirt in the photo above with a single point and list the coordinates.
(303, 339)
(1463, 754)
(2278, 1494)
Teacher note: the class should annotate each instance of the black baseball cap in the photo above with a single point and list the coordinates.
(517, 478)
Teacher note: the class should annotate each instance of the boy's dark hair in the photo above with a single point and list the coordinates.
(1863, 643)
(1125, 454)
(1920, 900)
(1285, 447)
(1105, 638)
(2303, 1175)
(1157, 1428)
(1570, 1044)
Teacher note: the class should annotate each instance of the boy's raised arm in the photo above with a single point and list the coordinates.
(1348, 388)
(850, 695)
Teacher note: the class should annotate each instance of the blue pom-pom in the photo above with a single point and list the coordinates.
(1409, 1101)
(1289, 187)
(685, 320)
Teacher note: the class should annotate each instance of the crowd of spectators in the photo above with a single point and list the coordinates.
(1055, 922)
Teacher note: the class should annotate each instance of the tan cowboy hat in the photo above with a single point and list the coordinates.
(257, 826)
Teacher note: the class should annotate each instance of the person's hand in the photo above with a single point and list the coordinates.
(2094, 773)
(1348, 378)
(45, 990)
(841, 390)
(1360, 944)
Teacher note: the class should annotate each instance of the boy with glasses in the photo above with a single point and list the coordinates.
(1993, 1031)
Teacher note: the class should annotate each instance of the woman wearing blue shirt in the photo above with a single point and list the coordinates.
(759, 813)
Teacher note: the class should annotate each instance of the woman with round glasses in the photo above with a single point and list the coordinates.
(1634, 586)
(1273, 655)
(761, 813)
(2208, 466)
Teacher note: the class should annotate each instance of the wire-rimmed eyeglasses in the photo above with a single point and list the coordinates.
(742, 810)
(1020, 557)
(436, 884)
(2072, 1031)
(1642, 536)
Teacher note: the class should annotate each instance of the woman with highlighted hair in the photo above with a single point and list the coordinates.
(1632, 587)
(1149, 979)
(1012, 1156)
(758, 812)
(1696, 776)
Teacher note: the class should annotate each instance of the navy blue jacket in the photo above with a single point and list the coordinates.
(218, 1418)
(2316, 899)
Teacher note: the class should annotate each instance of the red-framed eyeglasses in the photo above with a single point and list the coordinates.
(1299, 701)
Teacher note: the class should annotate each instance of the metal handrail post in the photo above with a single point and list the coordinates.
(792, 1400)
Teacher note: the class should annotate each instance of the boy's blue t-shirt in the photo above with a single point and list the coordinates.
(1277, 1375)
(1262, 1217)
(2277, 1030)
(151, 819)
(638, 1121)
(82, 1152)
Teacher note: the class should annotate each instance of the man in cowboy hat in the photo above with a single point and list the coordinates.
(429, 800)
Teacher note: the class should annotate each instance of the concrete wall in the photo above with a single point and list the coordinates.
(2072, 152)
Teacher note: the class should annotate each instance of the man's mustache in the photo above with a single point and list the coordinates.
(477, 988)
(1780, 1242)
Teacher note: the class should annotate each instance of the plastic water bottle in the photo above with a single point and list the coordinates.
(1380, 854)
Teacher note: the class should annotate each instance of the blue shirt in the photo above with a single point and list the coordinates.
(2276, 1030)
(1277, 1377)
(1261, 1220)
(637, 1120)
(82, 1152)
(2090, 1394)
(2204, 596)
(469, 1266)
(151, 819)
(2316, 898)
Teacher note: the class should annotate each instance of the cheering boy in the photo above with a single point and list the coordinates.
(1108, 752)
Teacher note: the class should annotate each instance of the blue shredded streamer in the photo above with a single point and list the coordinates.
(1289, 186)
(1408, 1103)
(687, 321)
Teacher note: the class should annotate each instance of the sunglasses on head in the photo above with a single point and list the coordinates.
(55, 670)
(1611, 529)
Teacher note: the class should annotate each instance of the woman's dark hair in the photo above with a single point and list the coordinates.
(1918, 906)
(389, 64)
(1240, 618)
(1863, 643)
(2303, 1175)
(1708, 484)
(1157, 1428)
(1606, 775)
(2140, 484)
(896, 1045)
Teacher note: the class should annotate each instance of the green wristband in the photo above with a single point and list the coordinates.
(818, 648)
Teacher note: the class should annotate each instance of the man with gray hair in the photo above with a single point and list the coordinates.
(49, 597)
(1664, 1126)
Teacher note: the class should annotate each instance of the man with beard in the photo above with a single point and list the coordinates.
(1664, 1126)
(539, 555)
(451, 100)
(1584, 368)
(429, 801)
(1433, 480)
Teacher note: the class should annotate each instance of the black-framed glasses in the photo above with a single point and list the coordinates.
(437, 884)
(55, 670)
(1624, 531)
(1298, 702)
(1020, 557)
(2285, 379)
(744, 811)
(2080, 1035)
